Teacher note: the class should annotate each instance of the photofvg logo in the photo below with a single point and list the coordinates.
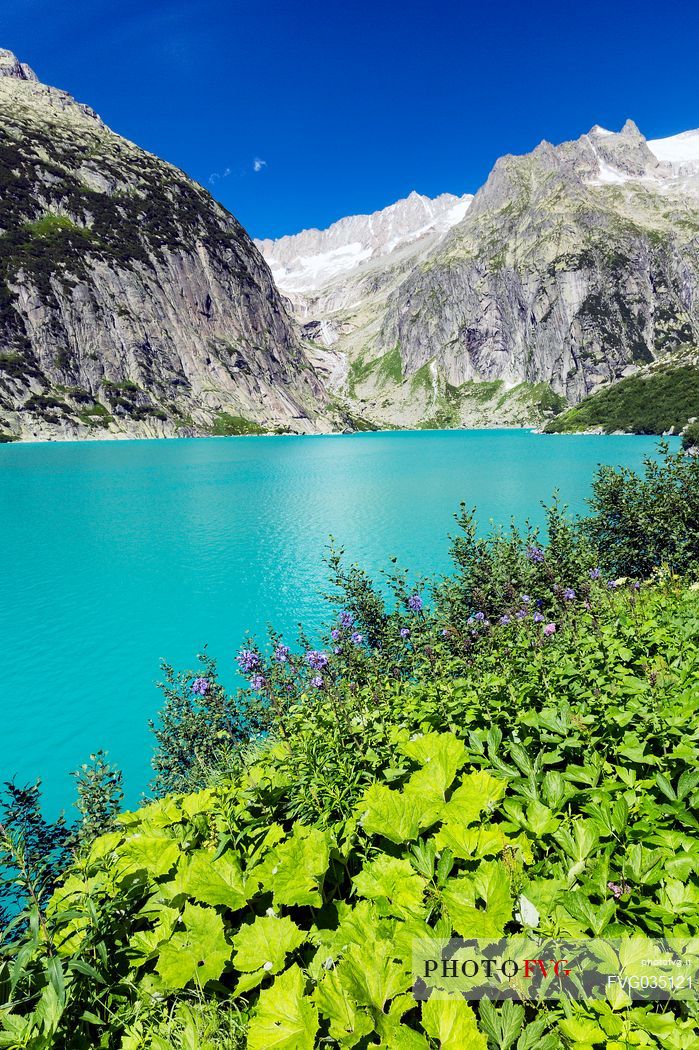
(532, 970)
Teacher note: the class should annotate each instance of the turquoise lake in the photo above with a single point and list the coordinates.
(118, 554)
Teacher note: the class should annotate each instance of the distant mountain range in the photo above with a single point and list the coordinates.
(132, 304)
(573, 267)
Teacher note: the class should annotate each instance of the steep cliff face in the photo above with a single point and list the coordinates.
(130, 302)
(573, 266)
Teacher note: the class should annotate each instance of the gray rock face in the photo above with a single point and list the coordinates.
(572, 267)
(10, 66)
(130, 302)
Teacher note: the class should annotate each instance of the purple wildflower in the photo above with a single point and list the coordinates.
(317, 681)
(405, 632)
(595, 574)
(569, 594)
(611, 584)
(337, 650)
(538, 617)
(316, 659)
(504, 619)
(357, 638)
(479, 616)
(281, 654)
(346, 619)
(335, 634)
(247, 660)
(637, 586)
(525, 599)
(521, 614)
(535, 555)
(619, 890)
(257, 681)
(550, 629)
(415, 602)
(445, 633)
(200, 686)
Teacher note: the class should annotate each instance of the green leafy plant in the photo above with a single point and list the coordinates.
(519, 753)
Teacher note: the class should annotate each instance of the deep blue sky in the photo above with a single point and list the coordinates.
(353, 104)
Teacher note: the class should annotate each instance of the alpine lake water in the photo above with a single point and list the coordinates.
(116, 554)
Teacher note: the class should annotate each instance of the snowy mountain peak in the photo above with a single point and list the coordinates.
(681, 152)
(305, 262)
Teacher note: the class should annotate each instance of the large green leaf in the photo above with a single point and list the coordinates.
(477, 792)
(285, 1018)
(540, 819)
(145, 944)
(294, 869)
(155, 854)
(348, 1023)
(452, 1023)
(440, 755)
(264, 943)
(491, 885)
(212, 881)
(372, 974)
(199, 953)
(469, 843)
(393, 1034)
(392, 883)
(389, 813)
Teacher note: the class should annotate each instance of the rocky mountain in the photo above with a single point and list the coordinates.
(660, 398)
(338, 280)
(572, 267)
(307, 262)
(131, 303)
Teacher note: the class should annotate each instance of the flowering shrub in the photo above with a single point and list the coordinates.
(266, 901)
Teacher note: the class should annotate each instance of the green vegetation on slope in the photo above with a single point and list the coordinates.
(531, 735)
(690, 437)
(226, 425)
(650, 402)
(385, 369)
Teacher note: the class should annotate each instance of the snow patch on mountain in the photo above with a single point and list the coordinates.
(681, 152)
(304, 262)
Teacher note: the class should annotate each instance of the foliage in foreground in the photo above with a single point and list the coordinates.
(559, 767)
(530, 738)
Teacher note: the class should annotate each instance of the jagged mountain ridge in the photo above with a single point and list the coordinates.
(307, 261)
(131, 303)
(338, 280)
(573, 266)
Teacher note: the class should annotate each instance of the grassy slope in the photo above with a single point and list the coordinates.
(650, 402)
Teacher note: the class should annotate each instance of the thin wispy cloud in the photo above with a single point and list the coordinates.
(257, 165)
(216, 175)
